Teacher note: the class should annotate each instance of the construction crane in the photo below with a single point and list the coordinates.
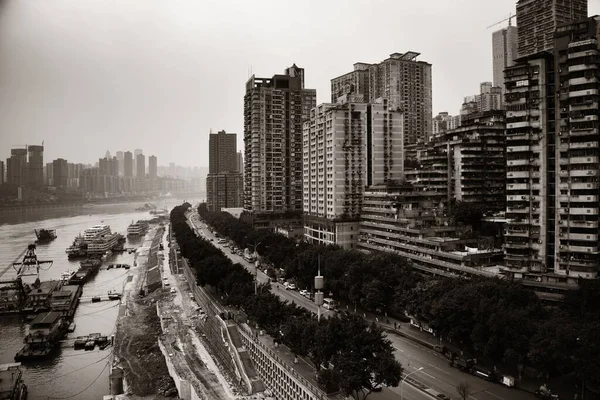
(30, 266)
(509, 19)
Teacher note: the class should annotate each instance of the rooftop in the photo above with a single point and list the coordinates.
(45, 319)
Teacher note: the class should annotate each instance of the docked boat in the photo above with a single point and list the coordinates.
(91, 263)
(160, 212)
(146, 207)
(43, 335)
(96, 299)
(137, 228)
(45, 235)
(95, 231)
(67, 275)
(78, 248)
(103, 244)
(80, 342)
(72, 327)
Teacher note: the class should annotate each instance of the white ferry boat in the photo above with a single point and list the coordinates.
(103, 243)
(65, 276)
(137, 228)
(96, 231)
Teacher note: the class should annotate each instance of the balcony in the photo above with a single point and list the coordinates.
(583, 185)
(579, 211)
(582, 67)
(578, 224)
(585, 92)
(582, 81)
(516, 149)
(516, 233)
(579, 236)
(518, 125)
(517, 186)
(583, 53)
(517, 174)
(578, 249)
(582, 173)
(581, 160)
(523, 245)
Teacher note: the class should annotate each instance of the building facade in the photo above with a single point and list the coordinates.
(443, 122)
(16, 167)
(140, 165)
(60, 172)
(537, 20)
(347, 147)
(35, 166)
(128, 164)
(224, 190)
(504, 52)
(403, 81)
(222, 152)
(152, 167)
(2, 173)
(553, 153)
(274, 110)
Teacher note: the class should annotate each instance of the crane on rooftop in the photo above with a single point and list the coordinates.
(509, 19)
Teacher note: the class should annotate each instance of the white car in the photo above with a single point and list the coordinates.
(305, 293)
(166, 283)
(290, 286)
(173, 290)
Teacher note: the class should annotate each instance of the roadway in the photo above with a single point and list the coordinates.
(436, 373)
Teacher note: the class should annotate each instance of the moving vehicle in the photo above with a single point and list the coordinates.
(329, 304)
(289, 286)
(305, 293)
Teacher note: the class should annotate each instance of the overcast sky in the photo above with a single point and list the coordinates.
(86, 76)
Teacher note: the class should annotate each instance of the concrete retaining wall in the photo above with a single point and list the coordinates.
(184, 388)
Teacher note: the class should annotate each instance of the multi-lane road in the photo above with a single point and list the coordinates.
(436, 372)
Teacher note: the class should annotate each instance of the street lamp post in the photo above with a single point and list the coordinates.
(255, 267)
(403, 379)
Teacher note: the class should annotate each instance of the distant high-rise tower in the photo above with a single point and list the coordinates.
(222, 149)
(2, 179)
(128, 164)
(504, 52)
(16, 167)
(121, 158)
(35, 166)
(136, 153)
(60, 172)
(537, 21)
(274, 109)
(403, 81)
(152, 167)
(140, 165)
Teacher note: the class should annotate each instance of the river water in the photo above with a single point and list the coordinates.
(69, 374)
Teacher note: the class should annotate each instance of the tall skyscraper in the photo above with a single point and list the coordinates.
(504, 52)
(222, 148)
(16, 167)
(121, 159)
(50, 174)
(224, 182)
(553, 159)
(128, 164)
(403, 81)
(346, 148)
(60, 172)
(140, 165)
(152, 167)
(35, 166)
(274, 109)
(537, 20)
(2, 171)
(136, 153)
(444, 122)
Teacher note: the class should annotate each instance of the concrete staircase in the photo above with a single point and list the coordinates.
(236, 340)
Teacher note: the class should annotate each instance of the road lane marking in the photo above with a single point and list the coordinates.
(438, 368)
(492, 394)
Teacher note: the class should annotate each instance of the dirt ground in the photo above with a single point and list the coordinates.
(137, 349)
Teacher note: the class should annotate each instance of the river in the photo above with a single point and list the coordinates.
(69, 374)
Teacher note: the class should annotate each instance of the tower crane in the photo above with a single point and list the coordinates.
(509, 19)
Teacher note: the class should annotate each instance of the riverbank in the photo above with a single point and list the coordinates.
(136, 341)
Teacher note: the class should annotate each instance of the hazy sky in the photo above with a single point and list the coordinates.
(90, 75)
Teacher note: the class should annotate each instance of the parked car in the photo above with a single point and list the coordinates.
(305, 293)
(173, 290)
(290, 286)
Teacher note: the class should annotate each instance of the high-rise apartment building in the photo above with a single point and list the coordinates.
(50, 174)
(16, 167)
(60, 172)
(490, 98)
(35, 166)
(537, 20)
(121, 159)
(553, 159)
(403, 81)
(140, 165)
(504, 53)
(2, 172)
(346, 148)
(128, 164)
(152, 167)
(222, 149)
(224, 182)
(274, 110)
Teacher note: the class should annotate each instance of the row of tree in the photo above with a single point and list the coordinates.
(348, 354)
(495, 319)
